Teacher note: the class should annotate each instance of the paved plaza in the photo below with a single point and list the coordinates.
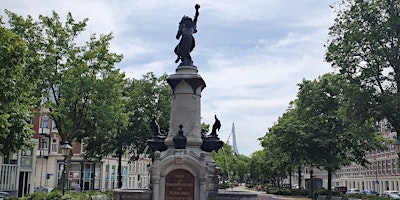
(264, 196)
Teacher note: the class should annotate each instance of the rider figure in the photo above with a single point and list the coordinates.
(187, 27)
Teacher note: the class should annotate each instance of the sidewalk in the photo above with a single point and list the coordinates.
(264, 196)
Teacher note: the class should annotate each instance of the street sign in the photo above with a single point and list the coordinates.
(377, 182)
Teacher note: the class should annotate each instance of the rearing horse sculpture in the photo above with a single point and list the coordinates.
(187, 27)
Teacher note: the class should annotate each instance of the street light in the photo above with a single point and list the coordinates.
(397, 147)
(65, 150)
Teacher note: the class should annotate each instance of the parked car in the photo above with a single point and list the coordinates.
(3, 194)
(43, 189)
(370, 192)
(392, 194)
(342, 189)
(353, 191)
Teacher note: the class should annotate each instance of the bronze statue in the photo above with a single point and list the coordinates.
(216, 126)
(187, 27)
(155, 127)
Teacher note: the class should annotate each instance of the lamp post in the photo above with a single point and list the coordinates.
(397, 147)
(65, 150)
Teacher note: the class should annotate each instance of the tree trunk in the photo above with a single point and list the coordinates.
(299, 178)
(120, 167)
(329, 182)
(290, 178)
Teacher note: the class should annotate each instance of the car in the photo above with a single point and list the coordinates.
(43, 189)
(353, 191)
(390, 195)
(370, 192)
(342, 189)
(390, 192)
(3, 194)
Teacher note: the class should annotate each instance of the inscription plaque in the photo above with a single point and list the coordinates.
(179, 185)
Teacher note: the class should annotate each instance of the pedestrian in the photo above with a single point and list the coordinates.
(77, 188)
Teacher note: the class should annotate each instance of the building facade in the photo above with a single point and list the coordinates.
(381, 174)
(90, 175)
(17, 172)
(139, 176)
(22, 173)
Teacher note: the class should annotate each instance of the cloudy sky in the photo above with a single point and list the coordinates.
(251, 54)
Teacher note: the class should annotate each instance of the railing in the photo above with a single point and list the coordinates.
(8, 177)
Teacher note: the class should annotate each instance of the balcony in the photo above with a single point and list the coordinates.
(41, 153)
(8, 177)
(44, 132)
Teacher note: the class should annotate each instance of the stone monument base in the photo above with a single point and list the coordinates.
(128, 194)
(187, 174)
(233, 195)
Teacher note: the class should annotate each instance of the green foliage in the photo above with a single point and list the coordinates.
(146, 98)
(317, 130)
(364, 196)
(259, 167)
(288, 192)
(16, 100)
(225, 159)
(238, 166)
(57, 195)
(332, 137)
(78, 83)
(364, 46)
(285, 145)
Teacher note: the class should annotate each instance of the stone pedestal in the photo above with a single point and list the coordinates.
(184, 170)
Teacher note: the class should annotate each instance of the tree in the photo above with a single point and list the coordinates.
(364, 45)
(333, 140)
(16, 100)
(79, 85)
(259, 168)
(287, 137)
(147, 98)
(144, 100)
(242, 168)
(225, 159)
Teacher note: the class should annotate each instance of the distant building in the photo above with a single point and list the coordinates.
(17, 171)
(381, 174)
(138, 175)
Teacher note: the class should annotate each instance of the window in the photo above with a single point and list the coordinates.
(43, 143)
(26, 159)
(45, 122)
(112, 176)
(124, 176)
(54, 125)
(84, 144)
(54, 145)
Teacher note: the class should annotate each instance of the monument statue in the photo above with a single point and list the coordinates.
(187, 27)
(216, 126)
(155, 127)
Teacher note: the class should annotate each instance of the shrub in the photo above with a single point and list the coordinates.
(299, 192)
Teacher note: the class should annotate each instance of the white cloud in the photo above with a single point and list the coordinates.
(252, 54)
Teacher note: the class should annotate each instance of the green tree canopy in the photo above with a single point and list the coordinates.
(16, 99)
(225, 159)
(147, 98)
(364, 45)
(79, 84)
(333, 139)
(286, 143)
(259, 167)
